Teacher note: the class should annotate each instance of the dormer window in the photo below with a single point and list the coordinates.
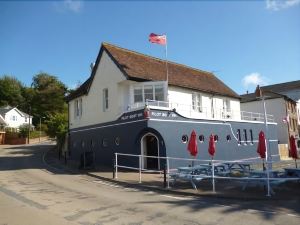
(138, 94)
(148, 91)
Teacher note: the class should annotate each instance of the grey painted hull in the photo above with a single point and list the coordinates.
(124, 136)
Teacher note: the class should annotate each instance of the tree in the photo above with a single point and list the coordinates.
(28, 94)
(10, 91)
(49, 95)
(58, 127)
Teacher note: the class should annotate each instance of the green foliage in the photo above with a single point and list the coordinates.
(44, 100)
(58, 127)
(10, 91)
(28, 95)
(36, 134)
(23, 130)
(49, 96)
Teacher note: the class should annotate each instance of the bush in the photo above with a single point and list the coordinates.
(58, 127)
(23, 130)
(36, 134)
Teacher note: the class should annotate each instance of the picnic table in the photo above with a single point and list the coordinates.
(237, 166)
(292, 172)
(196, 173)
(259, 178)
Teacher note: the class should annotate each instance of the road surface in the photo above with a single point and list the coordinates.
(34, 192)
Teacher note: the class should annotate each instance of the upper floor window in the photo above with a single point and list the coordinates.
(159, 92)
(226, 104)
(148, 92)
(78, 108)
(105, 99)
(197, 102)
(138, 94)
(13, 118)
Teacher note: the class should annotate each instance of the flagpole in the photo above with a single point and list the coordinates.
(167, 69)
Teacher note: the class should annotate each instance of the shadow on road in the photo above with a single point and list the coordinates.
(30, 157)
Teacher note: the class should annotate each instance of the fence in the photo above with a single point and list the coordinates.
(171, 168)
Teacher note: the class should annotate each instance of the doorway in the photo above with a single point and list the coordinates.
(150, 147)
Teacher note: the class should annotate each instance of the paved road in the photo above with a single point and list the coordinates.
(32, 192)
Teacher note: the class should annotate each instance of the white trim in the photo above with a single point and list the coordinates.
(117, 124)
(225, 121)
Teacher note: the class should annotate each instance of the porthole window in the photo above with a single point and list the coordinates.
(117, 141)
(104, 142)
(216, 138)
(184, 138)
(228, 137)
(201, 138)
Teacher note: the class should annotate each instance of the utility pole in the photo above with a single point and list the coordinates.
(29, 123)
(40, 134)
(40, 129)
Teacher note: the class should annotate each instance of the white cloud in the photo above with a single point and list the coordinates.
(254, 79)
(276, 5)
(69, 5)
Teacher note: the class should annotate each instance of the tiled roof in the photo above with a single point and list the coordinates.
(4, 110)
(82, 90)
(140, 67)
(269, 95)
(282, 87)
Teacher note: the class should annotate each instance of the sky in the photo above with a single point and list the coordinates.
(244, 43)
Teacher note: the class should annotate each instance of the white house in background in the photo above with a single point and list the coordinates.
(14, 117)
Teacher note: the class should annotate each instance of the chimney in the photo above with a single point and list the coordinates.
(92, 66)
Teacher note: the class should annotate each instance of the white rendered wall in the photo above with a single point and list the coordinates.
(212, 105)
(275, 107)
(108, 76)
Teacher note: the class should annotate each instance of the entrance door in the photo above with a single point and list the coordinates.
(149, 144)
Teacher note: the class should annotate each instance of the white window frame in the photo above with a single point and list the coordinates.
(197, 101)
(226, 104)
(105, 99)
(78, 108)
(142, 86)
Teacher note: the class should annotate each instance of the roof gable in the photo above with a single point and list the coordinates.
(139, 67)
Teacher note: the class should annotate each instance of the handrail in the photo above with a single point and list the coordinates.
(263, 175)
(197, 112)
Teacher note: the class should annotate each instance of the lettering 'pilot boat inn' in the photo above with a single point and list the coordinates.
(126, 106)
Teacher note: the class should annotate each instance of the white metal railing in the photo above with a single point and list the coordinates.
(268, 174)
(197, 112)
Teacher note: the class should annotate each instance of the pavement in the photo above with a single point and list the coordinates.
(227, 189)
